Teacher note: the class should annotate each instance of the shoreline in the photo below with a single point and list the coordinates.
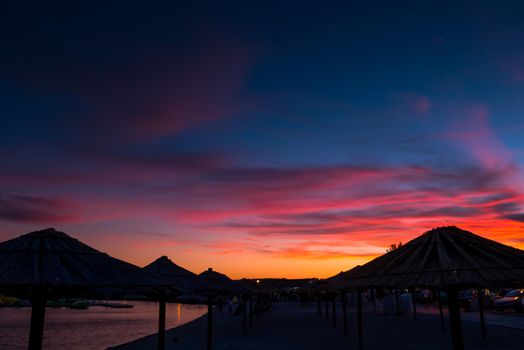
(175, 335)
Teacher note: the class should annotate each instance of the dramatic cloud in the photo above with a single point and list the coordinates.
(258, 139)
(474, 132)
(25, 209)
(516, 217)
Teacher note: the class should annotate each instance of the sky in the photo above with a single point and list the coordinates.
(261, 138)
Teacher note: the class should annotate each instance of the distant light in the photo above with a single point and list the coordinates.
(258, 281)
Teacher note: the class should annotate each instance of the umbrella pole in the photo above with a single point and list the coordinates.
(344, 314)
(441, 312)
(398, 302)
(258, 303)
(334, 310)
(327, 307)
(250, 311)
(319, 305)
(374, 301)
(244, 311)
(36, 330)
(359, 319)
(162, 324)
(481, 312)
(413, 301)
(209, 322)
(454, 319)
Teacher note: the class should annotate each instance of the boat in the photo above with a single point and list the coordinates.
(114, 305)
(80, 304)
(7, 301)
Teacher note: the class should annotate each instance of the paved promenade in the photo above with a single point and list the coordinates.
(290, 326)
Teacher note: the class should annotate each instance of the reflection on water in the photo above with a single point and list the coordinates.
(94, 328)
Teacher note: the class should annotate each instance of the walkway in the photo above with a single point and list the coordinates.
(290, 326)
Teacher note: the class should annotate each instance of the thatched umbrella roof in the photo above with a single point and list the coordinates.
(49, 261)
(338, 281)
(447, 258)
(173, 274)
(219, 282)
(444, 256)
(53, 259)
(317, 286)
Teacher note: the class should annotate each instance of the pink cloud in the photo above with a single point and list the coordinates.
(311, 213)
(146, 95)
(31, 209)
(474, 132)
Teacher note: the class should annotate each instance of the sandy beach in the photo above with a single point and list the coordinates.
(290, 325)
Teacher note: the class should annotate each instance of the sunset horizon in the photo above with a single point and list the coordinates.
(277, 146)
(336, 264)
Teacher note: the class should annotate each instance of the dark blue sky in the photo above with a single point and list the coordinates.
(310, 133)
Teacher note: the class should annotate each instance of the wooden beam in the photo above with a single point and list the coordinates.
(161, 344)
(334, 300)
(414, 303)
(344, 312)
(319, 304)
(480, 293)
(374, 294)
(455, 323)
(359, 320)
(250, 311)
(244, 311)
(36, 330)
(441, 312)
(209, 322)
(397, 299)
(327, 306)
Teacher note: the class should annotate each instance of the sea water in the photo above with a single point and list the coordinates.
(94, 328)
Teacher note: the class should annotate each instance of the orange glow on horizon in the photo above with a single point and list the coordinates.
(306, 261)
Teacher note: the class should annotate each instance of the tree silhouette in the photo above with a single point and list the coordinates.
(393, 247)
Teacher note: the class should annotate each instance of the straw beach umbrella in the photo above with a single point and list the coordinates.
(171, 275)
(336, 283)
(219, 284)
(49, 262)
(445, 258)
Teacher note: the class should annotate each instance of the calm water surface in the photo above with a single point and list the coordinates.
(94, 328)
